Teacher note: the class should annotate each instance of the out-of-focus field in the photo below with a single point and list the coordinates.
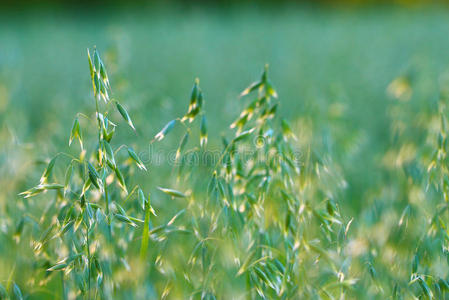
(331, 68)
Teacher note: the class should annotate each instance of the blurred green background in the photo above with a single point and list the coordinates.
(331, 65)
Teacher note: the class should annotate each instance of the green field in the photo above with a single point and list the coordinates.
(364, 91)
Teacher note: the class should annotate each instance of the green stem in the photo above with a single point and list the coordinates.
(97, 110)
(225, 151)
(145, 232)
(97, 115)
(64, 295)
(105, 187)
(88, 262)
(106, 198)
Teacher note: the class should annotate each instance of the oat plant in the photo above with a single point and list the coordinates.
(259, 221)
(88, 222)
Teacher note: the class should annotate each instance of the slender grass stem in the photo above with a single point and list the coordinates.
(88, 262)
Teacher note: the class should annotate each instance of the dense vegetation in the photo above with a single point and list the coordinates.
(337, 188)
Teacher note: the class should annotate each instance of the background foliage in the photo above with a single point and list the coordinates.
(365, 90)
